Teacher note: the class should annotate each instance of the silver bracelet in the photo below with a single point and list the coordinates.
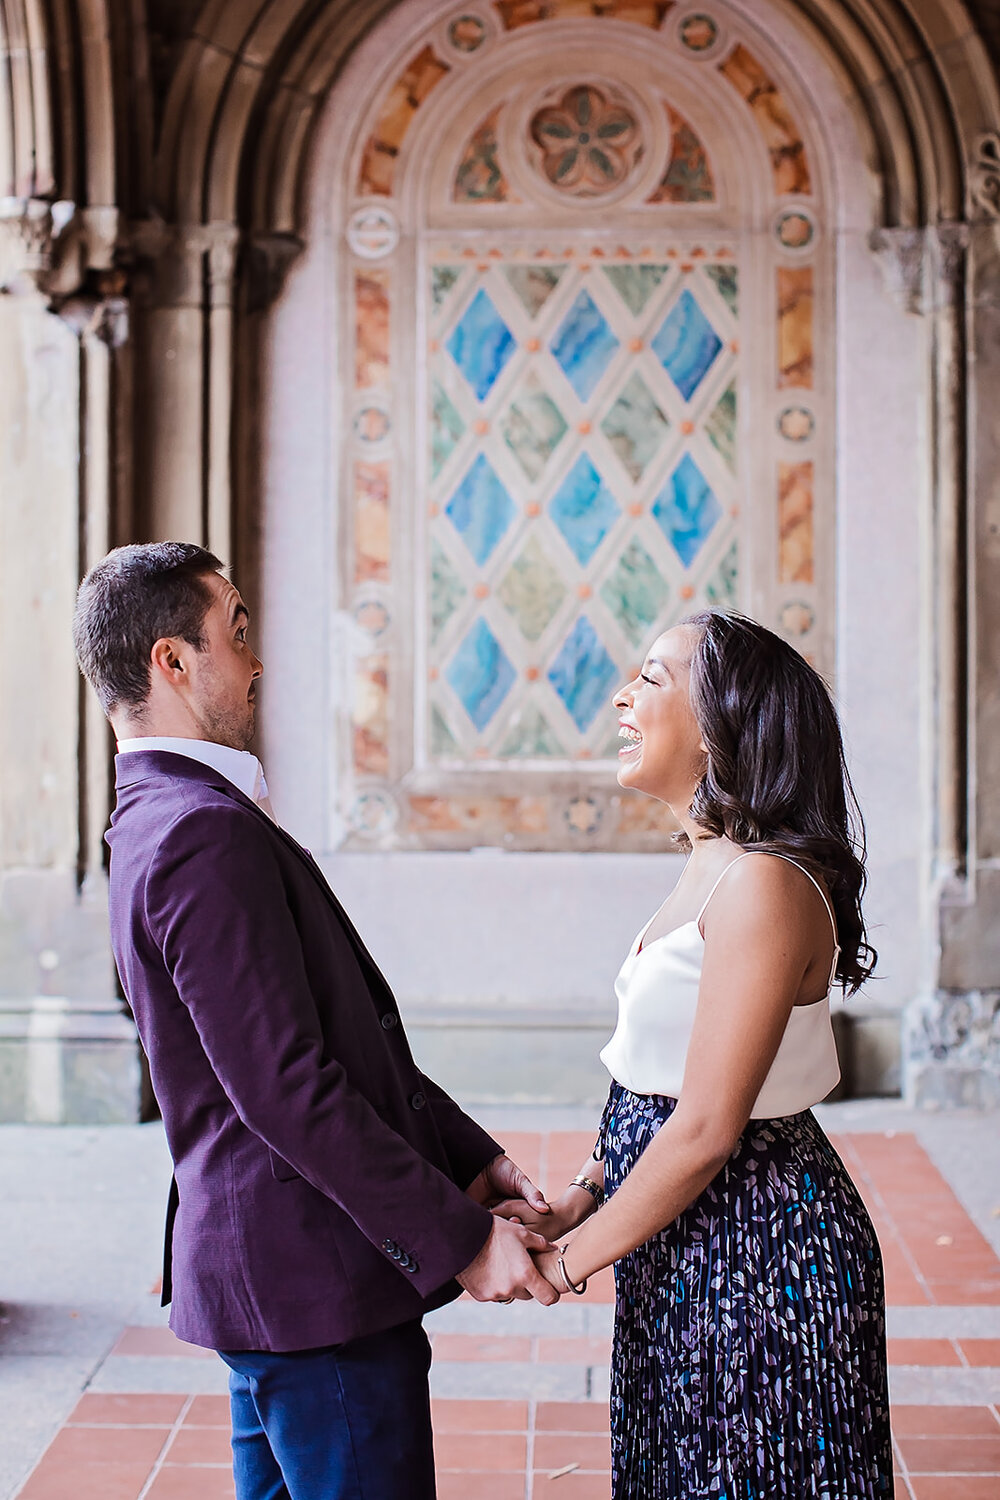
(589, 1186)
(577, 1291)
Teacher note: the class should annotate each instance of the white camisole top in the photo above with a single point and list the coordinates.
(657, 989)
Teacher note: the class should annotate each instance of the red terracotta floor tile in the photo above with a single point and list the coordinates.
(61, 1480)
(981, 1352)
(479, 1487)
(944, 1421)
(158, 1341)
(185, 1482)
(574, 1351)
(466, 1450)
(951, 1455)
(954, 1487)
(113, 1445)
(479, 1416)
(127, 1411)
(966, 1293)
(587, 1449)
(469, 1346)
(572, 1416)
(922, 1352)
(568, 1486)
(200, 1445)
(208, 1411)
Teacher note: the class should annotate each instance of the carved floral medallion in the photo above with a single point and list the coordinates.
(587, 141)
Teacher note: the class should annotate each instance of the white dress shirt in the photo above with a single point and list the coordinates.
(238, 766)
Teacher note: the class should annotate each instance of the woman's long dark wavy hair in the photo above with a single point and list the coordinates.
(777, 779)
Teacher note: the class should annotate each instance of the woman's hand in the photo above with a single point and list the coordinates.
(546, 1261)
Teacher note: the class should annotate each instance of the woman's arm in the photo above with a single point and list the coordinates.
(760, 937)
(574, 1204)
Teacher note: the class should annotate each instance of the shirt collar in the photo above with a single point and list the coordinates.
(240, 767)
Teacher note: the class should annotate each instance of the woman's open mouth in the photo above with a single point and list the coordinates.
(631, 741)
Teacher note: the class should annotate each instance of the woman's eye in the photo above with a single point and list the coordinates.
(647, 679)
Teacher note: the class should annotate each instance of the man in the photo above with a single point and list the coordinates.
(326, 1194)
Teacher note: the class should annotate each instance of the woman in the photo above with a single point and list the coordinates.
(749, 1351)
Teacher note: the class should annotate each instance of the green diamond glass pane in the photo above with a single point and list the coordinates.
(443, 742)
(532, 590)
(447, 589)
(635, 284)
(727, 284)
(635, 426)
(443, 278)
(446, 429)
(722, 589)
(635, 593)
(533, 427)
(533, 285)
(530, 735)
(721, 426)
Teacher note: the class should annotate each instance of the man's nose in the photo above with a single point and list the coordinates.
(258, 667)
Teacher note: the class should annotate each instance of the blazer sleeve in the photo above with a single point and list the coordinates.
(469, 1147)
(217, 909)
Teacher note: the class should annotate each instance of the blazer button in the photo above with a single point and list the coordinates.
(389, 1021)
(418, 1100)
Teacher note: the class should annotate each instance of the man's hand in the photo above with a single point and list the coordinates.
(504, 1269)
(501, 1179)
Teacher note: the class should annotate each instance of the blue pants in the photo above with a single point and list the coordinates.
(350, 1422)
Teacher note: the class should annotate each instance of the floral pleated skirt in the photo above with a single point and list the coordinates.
(749, 1352)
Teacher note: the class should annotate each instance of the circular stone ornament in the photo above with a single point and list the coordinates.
(372, 616)
(372, 232)
(795, 229)
(797, 617)
(373, 813)
(467, 33)
(583, 816)
(797, 424)
(371, 425)
(586, 141)
(698, 33)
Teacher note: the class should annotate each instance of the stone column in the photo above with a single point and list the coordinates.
(67, 1051)
(952, 1031)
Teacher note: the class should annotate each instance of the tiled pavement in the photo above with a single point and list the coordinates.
(521, 1392)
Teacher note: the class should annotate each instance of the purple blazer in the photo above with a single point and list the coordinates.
(319, 1175)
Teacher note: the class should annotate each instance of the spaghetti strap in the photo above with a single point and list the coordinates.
(788, 861)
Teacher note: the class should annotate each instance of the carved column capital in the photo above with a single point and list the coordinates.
(901, 256)
(984, 177)
(269, 258)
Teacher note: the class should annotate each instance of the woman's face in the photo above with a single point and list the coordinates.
(661, 748)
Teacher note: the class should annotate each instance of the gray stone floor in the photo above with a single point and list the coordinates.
(80, 1236)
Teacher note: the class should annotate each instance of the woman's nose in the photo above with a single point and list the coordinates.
(623, 697)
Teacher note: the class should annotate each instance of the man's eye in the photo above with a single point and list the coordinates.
(241, 635)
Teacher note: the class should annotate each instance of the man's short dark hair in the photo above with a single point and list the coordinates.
(130, 600)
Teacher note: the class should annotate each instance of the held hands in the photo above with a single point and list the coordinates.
(505, 1268)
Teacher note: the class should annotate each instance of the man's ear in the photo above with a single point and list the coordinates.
(166, 661)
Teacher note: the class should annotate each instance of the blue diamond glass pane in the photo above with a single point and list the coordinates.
(686, 509)
(686, 345)
(584, 345)
(481, 674)
(584, 509)
(481, 344)
(582, 674)
(480, 509)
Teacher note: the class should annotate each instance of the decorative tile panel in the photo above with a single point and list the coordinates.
(579, 470)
